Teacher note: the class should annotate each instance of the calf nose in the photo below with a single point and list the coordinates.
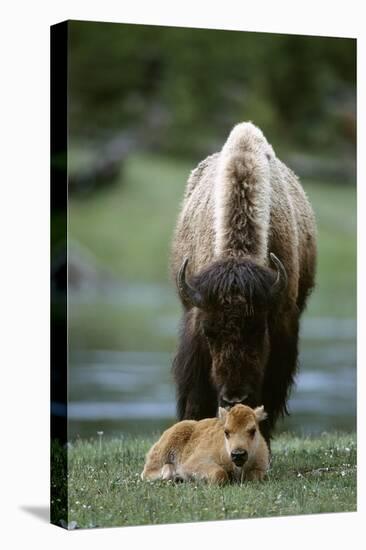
(239, 456)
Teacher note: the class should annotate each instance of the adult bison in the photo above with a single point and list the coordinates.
(243, 256)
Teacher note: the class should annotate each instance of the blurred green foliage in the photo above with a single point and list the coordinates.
(190, 86)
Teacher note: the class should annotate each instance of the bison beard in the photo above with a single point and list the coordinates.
(244, 260)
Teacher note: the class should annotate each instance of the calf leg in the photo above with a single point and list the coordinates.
(164, 473)
(167, 472)
(151, 474)
(210, 472)
(163, 456)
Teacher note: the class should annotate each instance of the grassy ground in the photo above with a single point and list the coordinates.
(307, 476)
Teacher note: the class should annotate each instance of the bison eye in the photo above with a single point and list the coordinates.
(252, 432)
(207, 329)
(227, 435)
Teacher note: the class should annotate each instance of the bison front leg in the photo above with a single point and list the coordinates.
(196, 395)
(280, 371)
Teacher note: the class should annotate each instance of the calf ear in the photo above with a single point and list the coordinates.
(260, 413)
(222, 413)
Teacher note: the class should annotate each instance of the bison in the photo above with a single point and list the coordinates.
(217, 450)
(243, 257)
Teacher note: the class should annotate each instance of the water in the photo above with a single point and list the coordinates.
(133, 392)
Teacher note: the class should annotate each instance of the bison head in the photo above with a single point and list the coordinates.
(234, 299)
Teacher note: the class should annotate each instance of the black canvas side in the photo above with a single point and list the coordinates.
(59, 133)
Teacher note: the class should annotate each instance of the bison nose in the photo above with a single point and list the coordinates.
(239, 457)
(229, 398)
(229, 403)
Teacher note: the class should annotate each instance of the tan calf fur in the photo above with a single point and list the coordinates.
(218, 450)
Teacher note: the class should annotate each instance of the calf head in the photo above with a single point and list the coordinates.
(234, 299)
(241, 430)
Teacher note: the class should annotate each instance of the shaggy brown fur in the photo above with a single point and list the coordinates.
(239, 337)
(218, 450)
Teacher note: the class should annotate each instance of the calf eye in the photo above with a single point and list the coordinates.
(227, 435)
(252, 432)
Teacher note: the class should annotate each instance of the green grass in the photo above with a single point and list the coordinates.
(308, 475)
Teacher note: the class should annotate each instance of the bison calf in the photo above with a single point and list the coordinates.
(218, 450)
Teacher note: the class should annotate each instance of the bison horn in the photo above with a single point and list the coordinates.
(188, 294)
(280, 283)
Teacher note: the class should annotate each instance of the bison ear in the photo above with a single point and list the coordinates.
(222, 413)
(260, 413)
